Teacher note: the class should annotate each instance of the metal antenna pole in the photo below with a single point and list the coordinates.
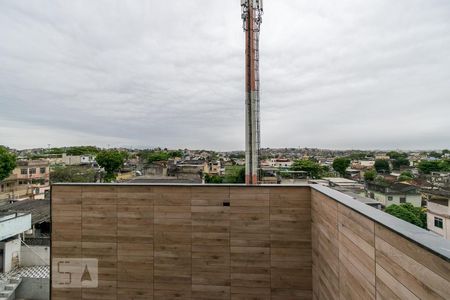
(252, 11)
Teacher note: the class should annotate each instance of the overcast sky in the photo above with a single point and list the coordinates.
(345, 74)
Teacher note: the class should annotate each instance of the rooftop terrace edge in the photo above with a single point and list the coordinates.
(419, 236)
(423, 238)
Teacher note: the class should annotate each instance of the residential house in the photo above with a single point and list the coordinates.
(28, 180)
(362, 164)
(25, 250)
(394, 193)
(215, 168)
(189, 169)
(281, 162)
(74, 160)
(438, 211)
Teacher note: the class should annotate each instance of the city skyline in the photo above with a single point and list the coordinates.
(370, 75)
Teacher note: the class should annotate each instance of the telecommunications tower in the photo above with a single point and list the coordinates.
(252, 11)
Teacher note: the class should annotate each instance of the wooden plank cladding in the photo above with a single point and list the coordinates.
(236, 242)
(186, 242)
(357, 258)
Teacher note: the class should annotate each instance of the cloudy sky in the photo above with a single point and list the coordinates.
(345, 74)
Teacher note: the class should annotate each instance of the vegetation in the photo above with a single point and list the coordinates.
(313, 168)
(340, 164)
(370, 175)
(428, 166)
(382, 166)
(235, 174)
(151, 156)
(215, 179)
(405, 176)
(399, 159)
(359, 155)
(111, 161)
(73, 174)
(435, 154)
(380, 180)
(409, 213)
(78, 150)
(7, 163)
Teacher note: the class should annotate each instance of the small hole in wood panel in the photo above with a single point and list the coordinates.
(226, 203)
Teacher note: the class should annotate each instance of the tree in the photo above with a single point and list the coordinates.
(396, 155)
(434, 154)
(151, 156)
(7, 163)
(82, 150)
(398, 159)
(358, 155)
(400, 162)
(111, 161)
(370, 175)
(405, 176)
(382, 166)
(408, 213)
(314, 170)
(73, 174)
(428, 166)
(215, 179)
(234, 174)
(340, 164)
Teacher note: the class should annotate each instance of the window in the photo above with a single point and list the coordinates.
(33, 171)
(24, 171)
(438, 222)
(402, 199)
(42, 170)
(390, 198)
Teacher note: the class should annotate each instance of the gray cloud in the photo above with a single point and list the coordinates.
(336, 74)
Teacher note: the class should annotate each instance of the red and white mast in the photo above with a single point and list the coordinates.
(252, 11)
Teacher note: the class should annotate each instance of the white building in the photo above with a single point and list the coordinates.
(280, 163)
(395, 193)
(438, 212)
(71, 160)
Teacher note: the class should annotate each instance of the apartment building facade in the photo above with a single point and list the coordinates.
(28, 179)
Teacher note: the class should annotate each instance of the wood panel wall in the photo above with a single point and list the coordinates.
(179, 242)
(356, 258)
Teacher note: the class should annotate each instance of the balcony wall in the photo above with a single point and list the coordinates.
(236, 242)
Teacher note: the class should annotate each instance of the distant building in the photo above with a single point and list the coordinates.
(438, 211)
(394, 193)
(189, 170)
(280, 162)
(25, 250)
(354, 174)
(382, 156)
(363, 164)
(29, 179)
(341, 183)
(215, 168)
(440, 179)
(73, 160)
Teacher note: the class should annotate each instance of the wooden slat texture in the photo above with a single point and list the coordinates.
(356, 258)
(172, 273)
(324, 214)
(290, 239)
(135, 230)
(250, 241)
(235, 242)
(425, 278)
